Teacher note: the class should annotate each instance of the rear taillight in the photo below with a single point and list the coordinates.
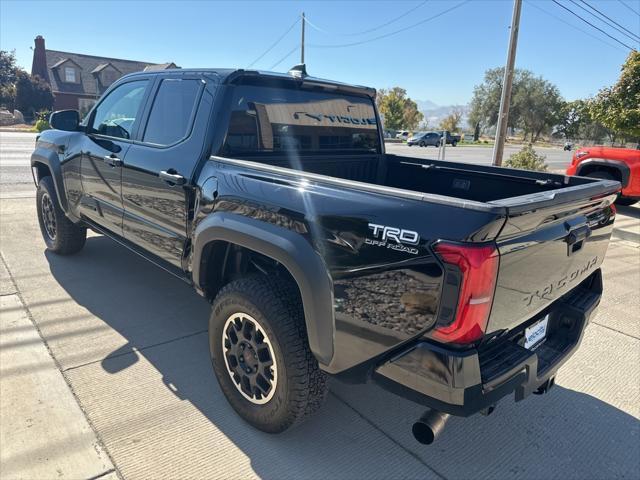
(478, 267)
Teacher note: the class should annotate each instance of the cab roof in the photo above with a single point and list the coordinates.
(237, 76)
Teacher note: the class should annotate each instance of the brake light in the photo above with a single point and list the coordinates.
(478, 267)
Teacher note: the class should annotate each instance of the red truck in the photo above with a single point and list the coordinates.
(621, 164)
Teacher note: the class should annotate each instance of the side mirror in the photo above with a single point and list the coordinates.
(68, 120)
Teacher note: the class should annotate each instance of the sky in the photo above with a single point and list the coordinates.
(439, 60)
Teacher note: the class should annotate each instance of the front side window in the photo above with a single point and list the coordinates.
(268, 120)
(70, 75)
(85, 105)
(172, 110)
(117, 113)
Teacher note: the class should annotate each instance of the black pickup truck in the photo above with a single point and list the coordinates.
(451, 284)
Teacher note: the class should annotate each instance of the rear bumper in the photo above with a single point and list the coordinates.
(465, 382)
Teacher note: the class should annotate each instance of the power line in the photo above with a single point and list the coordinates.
(379, 37)
(592, 25)
(532, 4)
(369, 30)
(285, 57)
(637, 13)
(609, 21)
(274, 43)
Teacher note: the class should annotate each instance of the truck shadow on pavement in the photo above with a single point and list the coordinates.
(362, 432)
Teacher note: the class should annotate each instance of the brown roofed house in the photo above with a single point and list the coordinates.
(77, 80)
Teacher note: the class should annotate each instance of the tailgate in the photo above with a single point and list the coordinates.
(549, 243)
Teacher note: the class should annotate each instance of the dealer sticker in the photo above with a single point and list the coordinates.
(536, 333)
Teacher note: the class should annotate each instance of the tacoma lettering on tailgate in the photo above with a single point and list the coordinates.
(560, 284)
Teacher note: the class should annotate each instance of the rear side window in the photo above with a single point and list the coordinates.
(267, 120)
(172, 111)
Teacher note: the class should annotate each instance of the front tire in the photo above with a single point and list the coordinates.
(261, 356)
(60, 234)
(608, 176)
(626, 201)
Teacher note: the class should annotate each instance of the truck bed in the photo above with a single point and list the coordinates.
(458, 180)
(530, 218)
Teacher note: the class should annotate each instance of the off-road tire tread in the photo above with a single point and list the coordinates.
(279, 301)
(626, 201)
(620, 200)
(70, 238)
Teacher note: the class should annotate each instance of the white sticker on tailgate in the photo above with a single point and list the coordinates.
(536, 333)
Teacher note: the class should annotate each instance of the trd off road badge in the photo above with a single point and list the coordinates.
(394, 238)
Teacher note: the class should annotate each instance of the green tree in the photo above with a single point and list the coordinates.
(399, 111)
(411, 116)
(485, 102)
(8, 72)
(451, 122)
(33, 94)
(572, 116)
(618, 107)
(534, 107)
(538, 103)
(575, 122)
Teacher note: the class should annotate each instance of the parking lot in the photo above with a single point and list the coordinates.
(136, 397)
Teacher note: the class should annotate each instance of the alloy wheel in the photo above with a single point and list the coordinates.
(249, 358)
(48, 216)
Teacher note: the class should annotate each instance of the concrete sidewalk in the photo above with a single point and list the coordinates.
(627, 224)
(131, 342)
(44, 433)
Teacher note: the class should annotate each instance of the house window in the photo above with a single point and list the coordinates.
(70, 75)
(109, 76)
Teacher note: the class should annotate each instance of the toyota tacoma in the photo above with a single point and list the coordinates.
(451, 284)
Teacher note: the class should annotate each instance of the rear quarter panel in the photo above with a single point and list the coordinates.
(384, 293)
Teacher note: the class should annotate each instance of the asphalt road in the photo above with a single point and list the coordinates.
(131, 343)
(556, 158)
(15, 153)
(16, 148)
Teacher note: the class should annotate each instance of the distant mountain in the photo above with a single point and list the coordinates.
(426, 105)
(434, 115)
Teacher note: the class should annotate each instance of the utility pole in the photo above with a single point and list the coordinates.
(302, 42)
(505, 99)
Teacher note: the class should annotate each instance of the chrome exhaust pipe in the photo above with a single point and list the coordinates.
(429, 426)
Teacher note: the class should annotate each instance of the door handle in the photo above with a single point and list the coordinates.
(172, 177)
(113, 160)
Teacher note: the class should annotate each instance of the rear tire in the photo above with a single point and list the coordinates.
(60, 234)
(260, 353)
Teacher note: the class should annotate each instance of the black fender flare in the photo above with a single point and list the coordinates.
(49, 158)
(291, 250)
(623, 168)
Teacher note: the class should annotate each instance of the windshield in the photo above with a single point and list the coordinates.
(275, 120)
